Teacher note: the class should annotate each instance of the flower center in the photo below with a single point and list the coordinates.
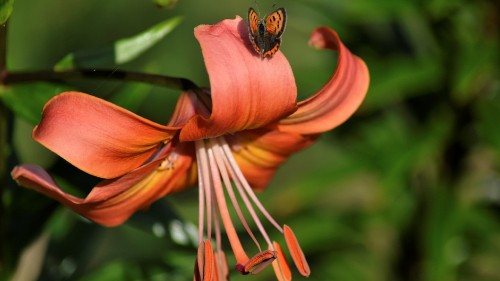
(217, 172)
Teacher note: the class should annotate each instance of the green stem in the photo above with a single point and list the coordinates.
(48, 75)
(3, 151)
(3, 47)
(3, 182)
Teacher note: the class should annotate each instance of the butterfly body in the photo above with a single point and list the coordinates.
(265, 34)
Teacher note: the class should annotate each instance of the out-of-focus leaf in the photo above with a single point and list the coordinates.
(129, 48)
(27, 100)
(442, 8)
(117, 270)
(477, 56)
(398, 78)
(27, 149)
(360, 10)
(475, 72)
(131, 96)
(353, 266)
(122, 51)
(165, 3)
(487, 124)
(31, 260)
(6, 9)
(95, 246)
(443, 240)
(162, 221)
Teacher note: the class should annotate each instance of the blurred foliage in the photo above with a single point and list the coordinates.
(407, 189)
(122, 51)
(6, 8)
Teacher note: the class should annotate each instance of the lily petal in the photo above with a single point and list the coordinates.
(260, 152)
(184, 110)
(98, 137)
(340, 96)
(247, 91)
(112, 202)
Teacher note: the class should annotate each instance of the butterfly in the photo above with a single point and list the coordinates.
(265, 34)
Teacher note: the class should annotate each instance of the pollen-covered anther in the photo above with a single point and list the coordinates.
(168, 163)
(296, 252)
(257, 263)
(204, 269)
(237, 147)
(280, 265)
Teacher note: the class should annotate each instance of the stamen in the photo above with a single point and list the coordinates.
(234, 241)
(218, 239)
(258, 262)
(249, 206)
(201, 203)
(168, 163)
(241, 178)
(280, 265)
(204, 266)
(221, 266)
(296, 252)
(227, 183)
(205, 183)
(217, 166)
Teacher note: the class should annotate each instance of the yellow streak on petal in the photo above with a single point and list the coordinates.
(297, 255)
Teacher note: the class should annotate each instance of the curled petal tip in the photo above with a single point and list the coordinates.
(339, 98)
(323, 37)
(111, 202)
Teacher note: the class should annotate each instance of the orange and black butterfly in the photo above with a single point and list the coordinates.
(265, 34)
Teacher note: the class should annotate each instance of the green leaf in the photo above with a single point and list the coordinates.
(360, 10)
(487, 122)
(6, 9)
(27, 100)
(122, 51)
(131, 96)
(398, 78)
(162, 221)
(165, 3)
(129, 48)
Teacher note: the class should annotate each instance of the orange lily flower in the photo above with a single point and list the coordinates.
(230, 139)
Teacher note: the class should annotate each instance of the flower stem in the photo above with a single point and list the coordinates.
(50, 75)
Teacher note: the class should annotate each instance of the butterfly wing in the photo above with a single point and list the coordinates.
(253, 22)
(253, 29)
(272, 46)
(275, 22)
(265, 35)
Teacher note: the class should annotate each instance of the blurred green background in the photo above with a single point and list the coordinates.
(407, 189)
